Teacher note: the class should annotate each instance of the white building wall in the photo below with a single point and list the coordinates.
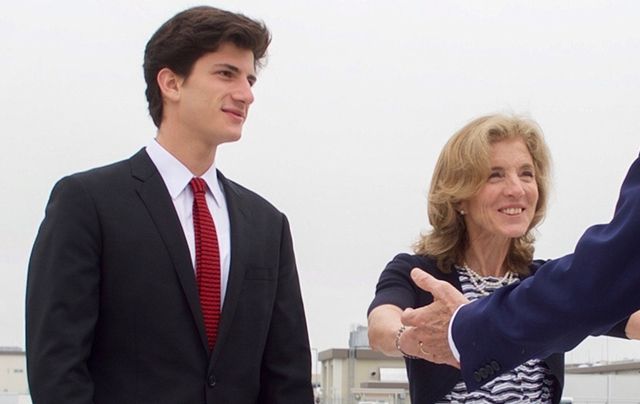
(338, 378)
(604, 349)
(603, 389)
(10, 398)
(13, 373)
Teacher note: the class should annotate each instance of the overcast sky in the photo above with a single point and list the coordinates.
(356, 101)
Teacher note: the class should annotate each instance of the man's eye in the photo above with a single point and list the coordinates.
(225, 73)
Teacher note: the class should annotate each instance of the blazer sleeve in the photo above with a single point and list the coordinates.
(567, 299)
(62, 297)
(286, 365)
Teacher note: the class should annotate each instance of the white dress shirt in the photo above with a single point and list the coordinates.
(452, 343)
(177, 177)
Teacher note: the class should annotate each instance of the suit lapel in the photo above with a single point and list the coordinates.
(239, 223)
(155, 196)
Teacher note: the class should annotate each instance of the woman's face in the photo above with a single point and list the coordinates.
(505, 205)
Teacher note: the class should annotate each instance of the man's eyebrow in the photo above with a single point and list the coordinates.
(235, 69)
(228, 66)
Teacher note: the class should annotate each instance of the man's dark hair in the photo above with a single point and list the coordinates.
(188, 35)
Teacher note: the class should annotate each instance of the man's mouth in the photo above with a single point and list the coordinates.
(235, 112)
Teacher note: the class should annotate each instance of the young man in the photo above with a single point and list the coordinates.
(147, 286)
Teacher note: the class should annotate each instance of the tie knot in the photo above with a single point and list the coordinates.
(198, 185)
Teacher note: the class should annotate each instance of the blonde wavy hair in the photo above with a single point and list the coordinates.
(462, 169)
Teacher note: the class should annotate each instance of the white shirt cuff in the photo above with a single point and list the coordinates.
(452, 344)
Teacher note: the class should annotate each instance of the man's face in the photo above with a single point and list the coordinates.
(214, 99)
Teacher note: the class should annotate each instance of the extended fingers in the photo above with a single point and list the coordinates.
(427, 345)
(441, 290)
(424, 280)
(419, 317)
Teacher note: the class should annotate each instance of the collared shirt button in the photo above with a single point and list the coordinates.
(211, 381)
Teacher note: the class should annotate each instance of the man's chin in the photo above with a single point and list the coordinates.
(229, 138)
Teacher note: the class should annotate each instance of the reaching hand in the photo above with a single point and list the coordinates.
(430, 324)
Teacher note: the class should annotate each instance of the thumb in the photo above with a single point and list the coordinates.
(441, 290)
(427, 282)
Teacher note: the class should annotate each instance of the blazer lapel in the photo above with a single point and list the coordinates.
(155, 196)
(239, 223)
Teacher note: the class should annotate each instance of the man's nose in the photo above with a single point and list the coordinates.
(244, 93)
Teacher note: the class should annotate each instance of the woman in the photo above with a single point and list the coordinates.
(489, 190)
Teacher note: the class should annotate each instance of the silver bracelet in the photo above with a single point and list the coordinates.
(398, 335)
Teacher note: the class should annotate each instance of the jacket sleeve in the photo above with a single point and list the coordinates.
(584, 293)
(62, 297)
(618, 330)
(286, 365)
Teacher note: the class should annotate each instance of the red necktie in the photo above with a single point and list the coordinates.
(207, 260)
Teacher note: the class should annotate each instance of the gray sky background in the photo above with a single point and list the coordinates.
(351, 112)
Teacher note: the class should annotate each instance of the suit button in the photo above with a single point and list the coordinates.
(211, 381)
(489, 370)
(477, 377)
(483, 373)
(495, 365)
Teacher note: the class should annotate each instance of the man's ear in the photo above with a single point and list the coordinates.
(169, 84)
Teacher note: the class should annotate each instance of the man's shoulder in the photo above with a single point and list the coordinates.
(109, 176)
(102, 171)
(115, 168)
(236, 192)
(536, 264)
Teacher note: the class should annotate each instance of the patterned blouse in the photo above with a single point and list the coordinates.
(530, 382)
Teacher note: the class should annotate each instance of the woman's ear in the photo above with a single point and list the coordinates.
(460, 207)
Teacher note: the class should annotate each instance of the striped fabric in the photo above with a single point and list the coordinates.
(207, 260)
(530, 382)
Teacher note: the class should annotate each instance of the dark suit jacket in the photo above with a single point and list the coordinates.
(113, 314)
(430, 382)
(565, 301)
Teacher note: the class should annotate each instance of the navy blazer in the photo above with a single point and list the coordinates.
(113, 314)
(565, 301)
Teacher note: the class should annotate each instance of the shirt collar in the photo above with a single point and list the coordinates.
(176, 175)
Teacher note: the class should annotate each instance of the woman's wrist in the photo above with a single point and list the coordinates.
(399, 333)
